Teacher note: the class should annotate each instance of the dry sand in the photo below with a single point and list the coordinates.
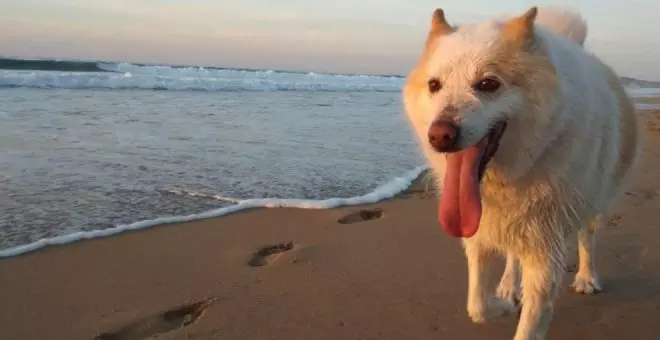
(386, 271)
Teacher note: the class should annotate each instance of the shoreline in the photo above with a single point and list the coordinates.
(383, 192)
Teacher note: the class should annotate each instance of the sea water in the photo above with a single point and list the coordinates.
(91, 149)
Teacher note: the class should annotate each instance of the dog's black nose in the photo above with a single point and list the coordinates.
(443, 135)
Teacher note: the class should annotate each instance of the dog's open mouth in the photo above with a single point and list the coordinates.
(460, 202)
(492, 142)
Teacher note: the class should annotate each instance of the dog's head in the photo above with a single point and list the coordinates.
(473, 81)
(479, 93)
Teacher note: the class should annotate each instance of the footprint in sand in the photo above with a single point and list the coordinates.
(267, 255)
(420, 193)
(161, 323)
(614, 220)
(361, 216)
(571, 268)
(652, 126)
(642, 197)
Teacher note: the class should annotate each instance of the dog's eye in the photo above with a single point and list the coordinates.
(488, 85)
(434, 85)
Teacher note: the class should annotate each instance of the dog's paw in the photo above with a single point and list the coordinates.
(496, 307)
(586, 285)
(509, 292)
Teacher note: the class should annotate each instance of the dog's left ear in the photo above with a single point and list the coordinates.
(439, 25)
(438, 28)
(520, 30)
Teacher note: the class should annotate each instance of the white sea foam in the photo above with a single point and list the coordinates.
(383, 192)
(154, 77)
(202, 195)
(645, 106)
(127, 76)
(642, 92)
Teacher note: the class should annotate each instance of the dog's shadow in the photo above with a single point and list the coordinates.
(626, 308)
(629, 277)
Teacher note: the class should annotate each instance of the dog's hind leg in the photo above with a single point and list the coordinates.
(586, 279)
(482, 304)
(541, 278)
(509, 287)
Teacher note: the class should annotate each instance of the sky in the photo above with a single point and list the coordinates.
(343, 36)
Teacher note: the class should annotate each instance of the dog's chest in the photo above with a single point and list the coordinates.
(515, 215)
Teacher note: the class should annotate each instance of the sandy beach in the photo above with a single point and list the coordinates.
(381, 271)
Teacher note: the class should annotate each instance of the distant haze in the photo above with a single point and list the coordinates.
(344, 36)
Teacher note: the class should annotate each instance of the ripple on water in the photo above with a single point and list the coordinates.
(92, 159)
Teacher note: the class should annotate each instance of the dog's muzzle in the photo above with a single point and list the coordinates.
(443, 135)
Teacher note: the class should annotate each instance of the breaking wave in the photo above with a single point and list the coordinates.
(46, 73)
(49, 65)
(105, 75)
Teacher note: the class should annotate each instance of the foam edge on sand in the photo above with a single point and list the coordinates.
(383, 192)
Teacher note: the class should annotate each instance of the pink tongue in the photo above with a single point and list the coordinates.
(460, 201)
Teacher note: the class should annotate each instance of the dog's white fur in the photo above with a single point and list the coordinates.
(571, 142)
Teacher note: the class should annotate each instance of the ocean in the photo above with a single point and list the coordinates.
(93, 148)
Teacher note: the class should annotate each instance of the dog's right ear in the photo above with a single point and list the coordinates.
(520, 30)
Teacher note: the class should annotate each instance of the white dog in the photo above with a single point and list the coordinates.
(531, 139)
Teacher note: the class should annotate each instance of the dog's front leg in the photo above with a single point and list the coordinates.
(541, 279)
(509, 287)
(482, 304)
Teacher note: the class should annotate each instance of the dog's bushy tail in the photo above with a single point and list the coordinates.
(564, 22)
